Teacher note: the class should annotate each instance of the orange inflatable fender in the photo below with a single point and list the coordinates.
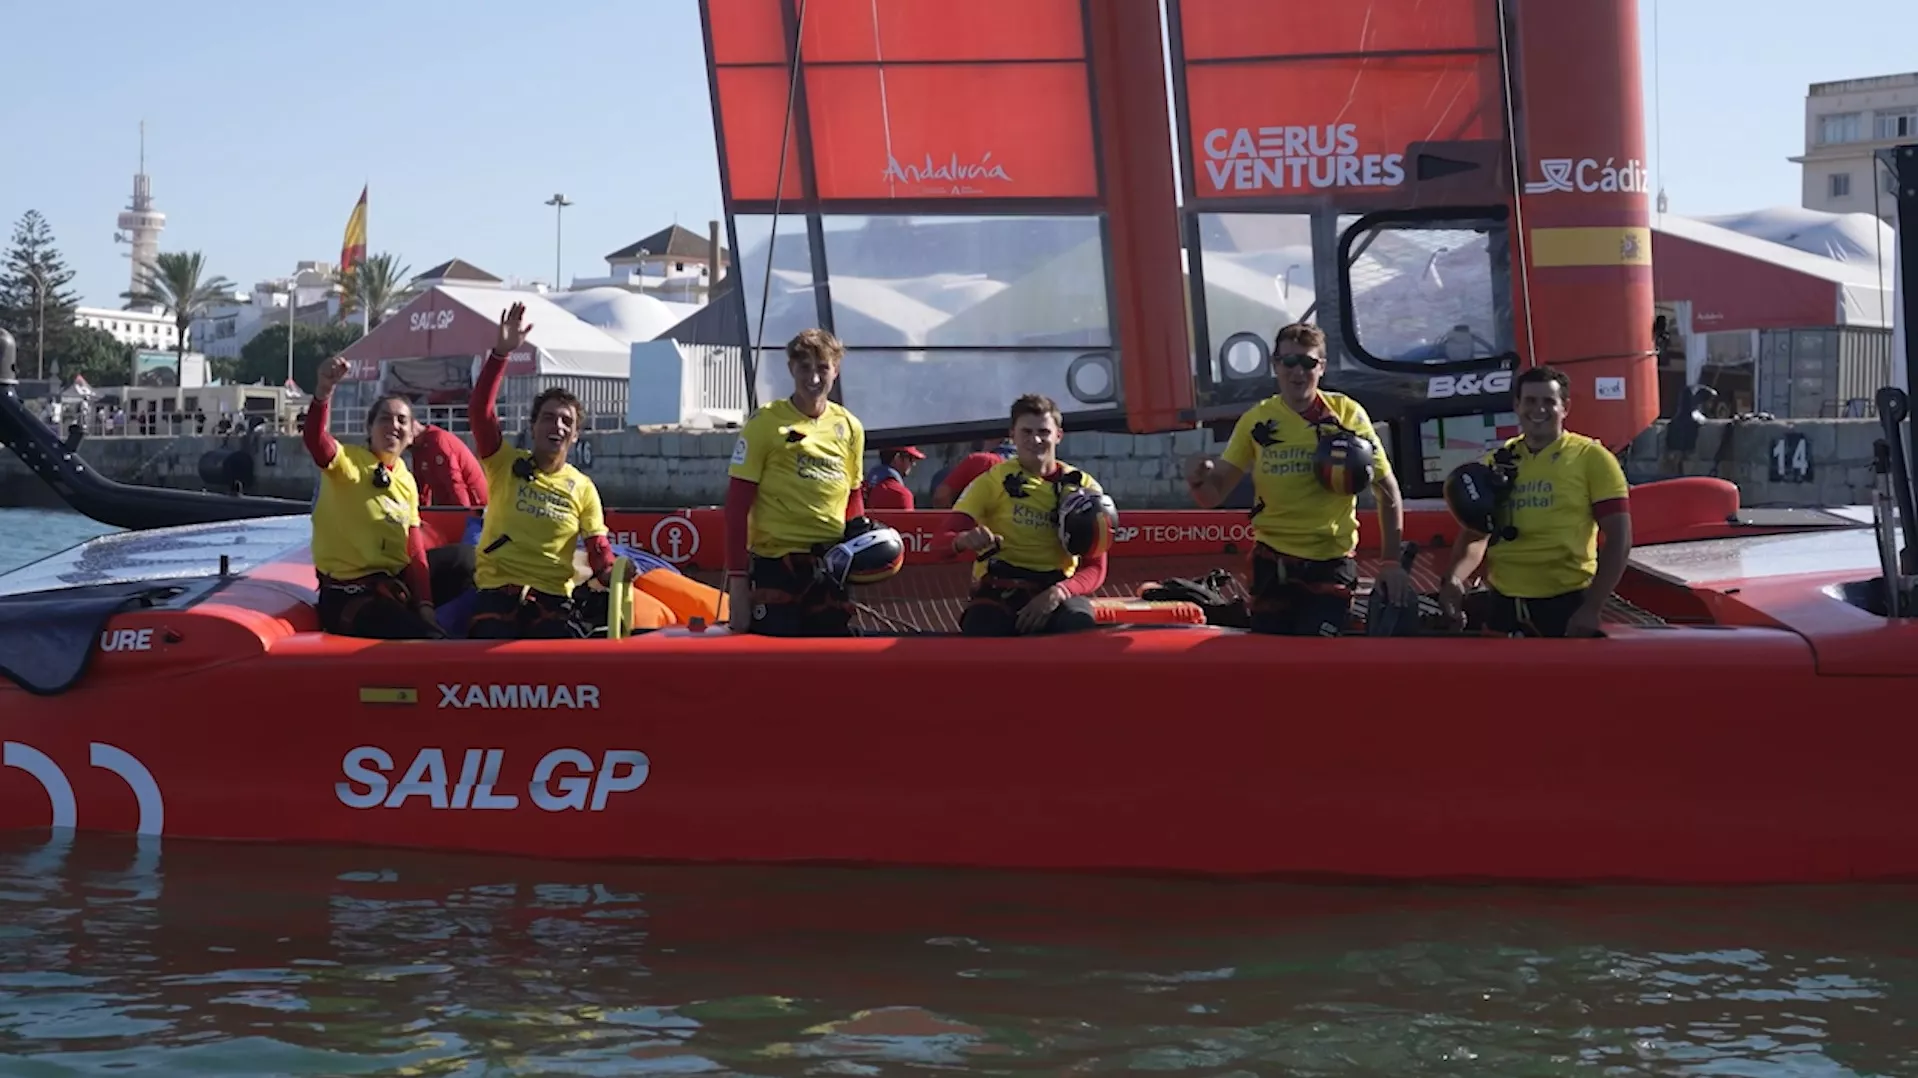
(681, 596)
(648, 612)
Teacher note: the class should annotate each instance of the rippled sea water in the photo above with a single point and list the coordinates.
(203, 958)
(200, 958)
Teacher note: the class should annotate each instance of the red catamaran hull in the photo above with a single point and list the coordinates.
(1773, 746)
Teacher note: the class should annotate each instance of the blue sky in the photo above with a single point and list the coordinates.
(264, 122)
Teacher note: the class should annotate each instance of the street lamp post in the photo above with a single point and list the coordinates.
(292, 306)
(559, 203)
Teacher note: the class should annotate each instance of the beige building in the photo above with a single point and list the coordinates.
(1845, 122)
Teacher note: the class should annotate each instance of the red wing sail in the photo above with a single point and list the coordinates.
(939, 210)
(1317, 100)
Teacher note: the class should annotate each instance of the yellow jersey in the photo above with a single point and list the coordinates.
(358, 526)
(806, 470)
(532, 525)
(1022, 509)
(1292, 513)
(1556, 500)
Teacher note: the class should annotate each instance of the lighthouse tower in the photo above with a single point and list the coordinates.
(141, 223)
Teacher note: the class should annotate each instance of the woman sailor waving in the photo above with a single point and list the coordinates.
(368, 550)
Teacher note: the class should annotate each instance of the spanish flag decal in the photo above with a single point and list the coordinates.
(1554, 247)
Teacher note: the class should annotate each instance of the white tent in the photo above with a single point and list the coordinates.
(1863, 288)
(562, 344)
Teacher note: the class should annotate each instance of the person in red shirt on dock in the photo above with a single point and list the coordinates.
(368, 550)
(947, 487)
(886, 486)
(539, 508)
(447, 471)
(1039, 529)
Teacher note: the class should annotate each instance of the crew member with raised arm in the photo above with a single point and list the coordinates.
(1314, 451)
(1039, 529)
(1548, 575)
(368, 550)
(796, 475)
(538, 508)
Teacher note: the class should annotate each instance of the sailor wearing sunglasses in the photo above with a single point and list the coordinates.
(1311, 452)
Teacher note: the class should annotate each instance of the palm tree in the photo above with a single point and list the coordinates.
(175, 286)
(376, 285)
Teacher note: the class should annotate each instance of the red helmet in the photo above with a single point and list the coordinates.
(1343, 462)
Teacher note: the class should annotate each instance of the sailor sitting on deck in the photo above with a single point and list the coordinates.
(1539, 503)
(1315, 451)
(368, 550)
(1040, 528)
(796, 531)
(538, 508)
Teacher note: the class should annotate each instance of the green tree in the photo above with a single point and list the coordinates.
(378, 284)
(33, 293)
(95, 354)
(178, 285)
(263, 359)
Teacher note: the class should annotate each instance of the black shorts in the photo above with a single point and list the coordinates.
(373, 607)
(1301, 597)
(792, 597)
(515, 613)
(1489, 611)
(999, 595)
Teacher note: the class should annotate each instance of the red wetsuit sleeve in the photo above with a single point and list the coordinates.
(482, 411)
(599, 553)
(319, 444)
(954, 525)
(856, 503)
(1611, 507)
(415, 576)
(1087, 578)
(740, 494)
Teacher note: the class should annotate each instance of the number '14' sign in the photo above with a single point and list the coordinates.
(1790, 458)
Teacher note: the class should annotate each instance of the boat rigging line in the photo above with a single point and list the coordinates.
(751, 365)
(1518, 177)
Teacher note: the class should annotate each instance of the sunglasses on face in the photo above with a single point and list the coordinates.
(1307, 362)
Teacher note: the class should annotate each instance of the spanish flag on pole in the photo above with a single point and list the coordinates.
(353, 248)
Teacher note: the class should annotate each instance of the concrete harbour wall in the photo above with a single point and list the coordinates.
(1807, 462)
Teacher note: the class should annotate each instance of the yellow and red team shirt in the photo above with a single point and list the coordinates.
(1296, 515)
(1559, 496)
(542, 519)
(806, 470)
(359, 528)
(1022, 510)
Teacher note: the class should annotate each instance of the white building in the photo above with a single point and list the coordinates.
(226, 327)
(674, 264)
(142, 329)
(1845, 123)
